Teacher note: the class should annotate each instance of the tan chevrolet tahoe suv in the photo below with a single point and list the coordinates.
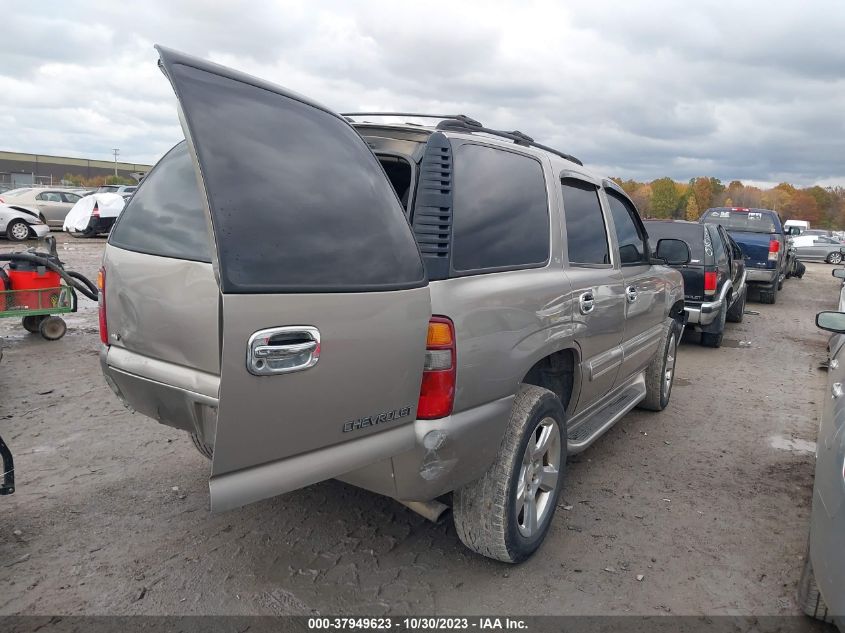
(438, 313)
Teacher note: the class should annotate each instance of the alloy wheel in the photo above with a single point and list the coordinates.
(538, 478)
(669, 371)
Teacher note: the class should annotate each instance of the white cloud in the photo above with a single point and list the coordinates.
(744, 90)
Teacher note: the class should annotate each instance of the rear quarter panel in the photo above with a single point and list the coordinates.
(504, 323)
(163, 308)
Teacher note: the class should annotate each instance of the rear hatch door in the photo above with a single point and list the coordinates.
(325, 302)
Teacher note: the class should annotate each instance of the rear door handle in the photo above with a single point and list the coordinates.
(631, 293)
(282, 350)
(587, 302)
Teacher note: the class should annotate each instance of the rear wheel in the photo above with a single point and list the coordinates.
(53, 328)
(834, 258)
(809, 597)
(714, 339)
(17, 230)
(32, 322)
(660, 373)
(737, 310)
(508, 511)
(769, 294)
(204, 449)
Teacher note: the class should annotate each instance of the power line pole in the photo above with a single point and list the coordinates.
(115, 151)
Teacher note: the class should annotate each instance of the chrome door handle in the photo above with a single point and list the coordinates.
(631, 293)
(836, 390)
(282, 350)
(587, 302)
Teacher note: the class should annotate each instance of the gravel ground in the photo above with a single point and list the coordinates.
(708, 501)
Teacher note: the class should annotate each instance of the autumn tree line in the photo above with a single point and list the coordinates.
(822, 207)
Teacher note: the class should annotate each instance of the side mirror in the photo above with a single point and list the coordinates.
(839, 273)
(793, 230)
(673, 252)
(831, 321)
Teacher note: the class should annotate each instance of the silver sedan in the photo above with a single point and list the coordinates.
(20, 224)
(820, 249)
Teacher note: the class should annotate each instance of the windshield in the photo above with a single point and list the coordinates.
(751, 221)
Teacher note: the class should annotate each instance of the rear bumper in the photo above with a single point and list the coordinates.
(703, 313)
(761, 276)
(170, 394)
(418, 461)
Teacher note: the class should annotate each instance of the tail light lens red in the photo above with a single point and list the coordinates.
(437, 392)
(101, 306)
(96, 212)
(710, 282)
(774, 248)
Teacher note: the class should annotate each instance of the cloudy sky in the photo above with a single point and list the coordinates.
(738, 90)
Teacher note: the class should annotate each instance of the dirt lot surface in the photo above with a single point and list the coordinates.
(708, 501)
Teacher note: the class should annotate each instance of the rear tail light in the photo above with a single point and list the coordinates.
(2, 201)
(437, 392)
(101, 306)
(774, 248)
(96, 212)
(710, 282)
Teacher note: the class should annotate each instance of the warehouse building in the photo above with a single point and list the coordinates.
(28, 169)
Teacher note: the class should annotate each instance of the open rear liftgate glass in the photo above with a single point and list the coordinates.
(324, 299)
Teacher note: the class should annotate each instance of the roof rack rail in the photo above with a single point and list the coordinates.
(456, 117)
(519, 138)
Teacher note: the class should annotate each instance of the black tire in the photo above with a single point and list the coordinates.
(800, 269)
(770, 294)
(32, 322)
(714, 339)
(658, 390)
(17, 231)
(780, 283)
(736, 313)
(204, 449)
(834, 258)
(809, 597)
(53, 328)
(485, 511)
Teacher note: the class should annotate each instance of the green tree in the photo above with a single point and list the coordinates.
(664, 198)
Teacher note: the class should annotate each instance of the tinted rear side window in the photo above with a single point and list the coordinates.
(586, 233)
(299, 203)
(692, 234)
(165, 216)
(501, 217)
(628, 234)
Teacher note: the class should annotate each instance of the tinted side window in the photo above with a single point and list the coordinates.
(166, 216)
(586, 233)
(299, 203)
(70, 197)
(631, 242)
(501, 216)
(719, 251)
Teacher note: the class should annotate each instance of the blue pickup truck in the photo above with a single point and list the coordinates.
(764, 242)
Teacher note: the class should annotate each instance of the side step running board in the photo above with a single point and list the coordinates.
(595, 426)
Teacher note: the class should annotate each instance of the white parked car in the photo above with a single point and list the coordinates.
(19, 224)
